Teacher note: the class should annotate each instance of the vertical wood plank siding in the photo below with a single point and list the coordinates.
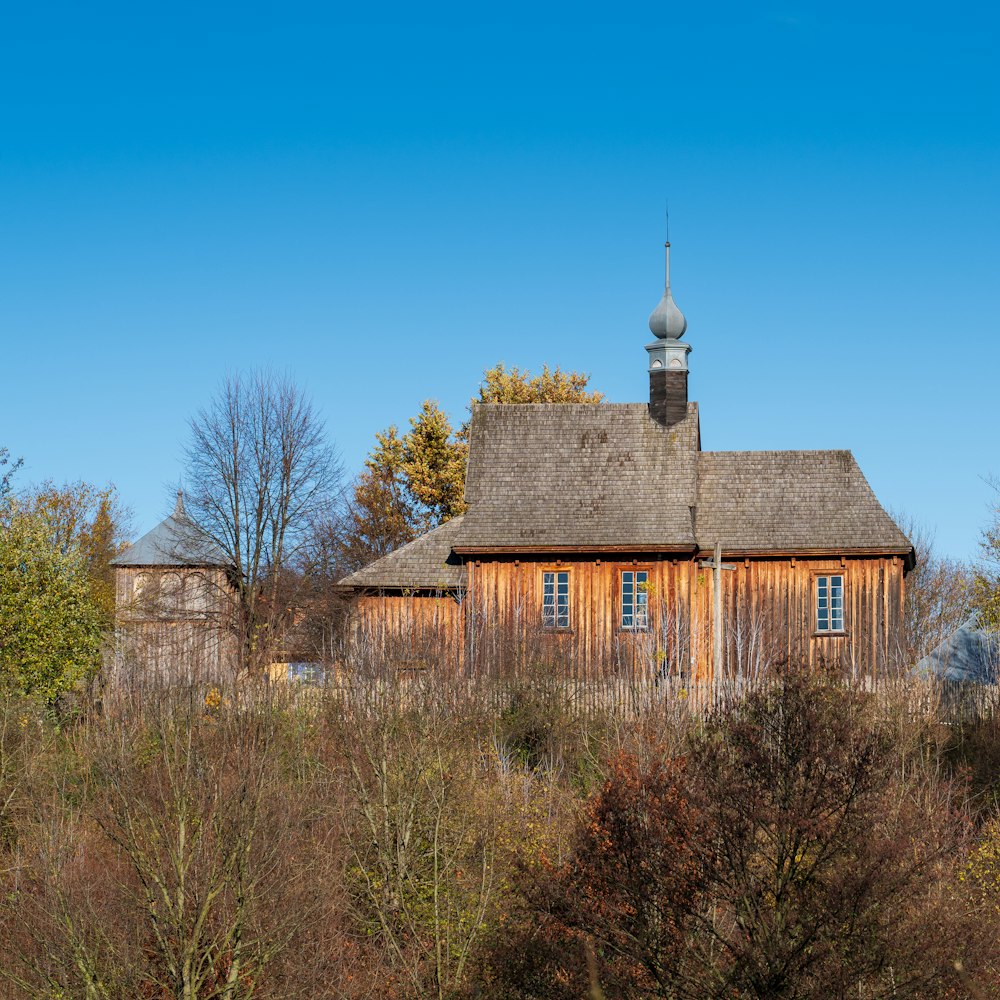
(414, 631)
(172, 623)
(768, 613)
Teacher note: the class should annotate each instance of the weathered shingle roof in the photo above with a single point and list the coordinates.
(551, 477)
(175, 541)
(579, 476)
(790, 501)
(426, 563)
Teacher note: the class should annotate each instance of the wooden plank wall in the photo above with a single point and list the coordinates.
(768, 613)
(174, 652)
(410, 631)
(171, 593)
(173, 626)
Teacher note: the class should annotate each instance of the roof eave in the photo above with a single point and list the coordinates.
(511, 550)
(170, 565)
(816, 552)
(363, 589)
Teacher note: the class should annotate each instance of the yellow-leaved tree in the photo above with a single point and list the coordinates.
(50, 624)
(90, 519)
(415, 481)
(553, 385)
(986, 579)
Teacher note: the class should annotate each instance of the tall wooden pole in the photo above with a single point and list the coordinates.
(717, 615)
(717, 566)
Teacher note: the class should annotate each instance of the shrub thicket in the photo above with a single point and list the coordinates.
(809, 841)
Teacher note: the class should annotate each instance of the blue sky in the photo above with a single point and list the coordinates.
(382, 201)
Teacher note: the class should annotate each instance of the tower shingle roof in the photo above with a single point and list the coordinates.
(175, 541)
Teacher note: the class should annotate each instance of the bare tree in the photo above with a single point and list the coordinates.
(13, 465)
(260, 473)
(938, 595)
(423, 838)
(986, 576)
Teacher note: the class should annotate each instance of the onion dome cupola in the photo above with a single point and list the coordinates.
(668, 365)
(666, 321)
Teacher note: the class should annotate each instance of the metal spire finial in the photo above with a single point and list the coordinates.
(667, 321)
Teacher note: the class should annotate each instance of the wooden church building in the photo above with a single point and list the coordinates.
(605, 536)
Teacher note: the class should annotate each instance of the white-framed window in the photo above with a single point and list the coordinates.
(830, 603)
(555, 598)
(635, 599)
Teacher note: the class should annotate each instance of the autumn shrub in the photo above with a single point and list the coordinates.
(438, 816)
(385, 841)
(423, 845)
(626, 893)
(820, 834)
(191, 861)
(533, 725)
(971, 749)
(791, 852)
(22, 738)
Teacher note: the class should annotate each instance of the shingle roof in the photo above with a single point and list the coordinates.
(579, 476)
(546, 477)
(426, 563)
(790, 501)
(175, 541)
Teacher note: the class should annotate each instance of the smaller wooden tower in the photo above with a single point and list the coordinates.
(173, 605)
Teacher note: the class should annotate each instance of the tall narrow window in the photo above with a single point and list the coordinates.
(635, 599)
(555, 599)
(830, 603)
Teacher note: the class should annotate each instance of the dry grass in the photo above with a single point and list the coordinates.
(370, 837)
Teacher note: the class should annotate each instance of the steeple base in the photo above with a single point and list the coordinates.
(668, 396)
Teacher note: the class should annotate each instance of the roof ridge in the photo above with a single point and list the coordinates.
(596, 407)
(780, 451)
